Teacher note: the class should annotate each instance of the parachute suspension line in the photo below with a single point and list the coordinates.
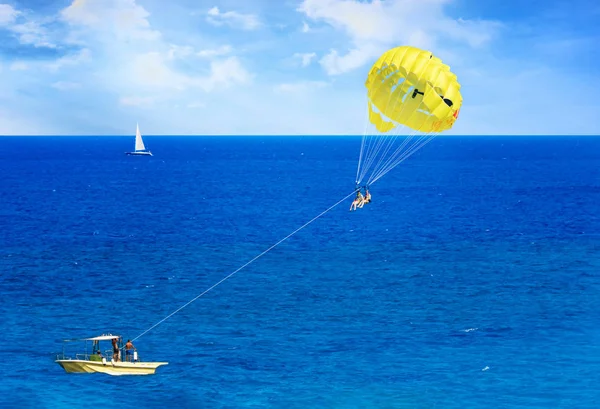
(383, 165)
(424, 140)
(401, 154)
(399, 161)
(382, 161)
(247, 264)
(362, 146)
(381, 140)
(367, 142)
(374, 146)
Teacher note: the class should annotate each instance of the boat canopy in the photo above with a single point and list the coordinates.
(99, 338)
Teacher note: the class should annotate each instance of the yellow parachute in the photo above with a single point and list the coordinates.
(407, 87)
(412, 87)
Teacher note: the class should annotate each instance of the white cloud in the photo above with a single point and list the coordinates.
(134, 58)
(226, 73)
(82, 56)
(181, 52)
(233, 19)
(8, 15)
(151, 70)
(305, 27)
(209, 53)
(374, 27)
(28, 32)
(178, 51)
(66, 85)
(335, 64)
(305, 58)
(123, 19)
(32, 33)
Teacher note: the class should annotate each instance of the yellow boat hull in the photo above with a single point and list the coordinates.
(109, 368)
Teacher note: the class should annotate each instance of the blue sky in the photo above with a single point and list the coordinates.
(90, 67)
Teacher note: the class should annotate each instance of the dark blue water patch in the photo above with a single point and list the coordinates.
(470, 280)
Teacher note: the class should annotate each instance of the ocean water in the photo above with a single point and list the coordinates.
(471, 281)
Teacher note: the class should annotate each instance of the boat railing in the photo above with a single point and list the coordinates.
(61, 356)
(108, 354)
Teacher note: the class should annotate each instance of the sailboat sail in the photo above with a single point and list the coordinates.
(139, 143)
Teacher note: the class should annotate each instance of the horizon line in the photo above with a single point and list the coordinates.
(282, 135)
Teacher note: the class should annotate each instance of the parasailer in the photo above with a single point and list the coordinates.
(411, 97)
(367, 196)
(360, 200)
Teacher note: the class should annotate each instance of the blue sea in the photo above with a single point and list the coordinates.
(472, 280)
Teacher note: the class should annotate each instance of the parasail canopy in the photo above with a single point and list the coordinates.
(410, 93)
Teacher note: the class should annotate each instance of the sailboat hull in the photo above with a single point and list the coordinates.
(138, 153)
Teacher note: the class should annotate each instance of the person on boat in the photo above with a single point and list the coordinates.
(129, 348)
(96, 356)
(115, 350)
(357, 200)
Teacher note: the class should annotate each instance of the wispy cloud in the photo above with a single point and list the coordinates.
(77, 58)
(8, 15)
(305, 58)
(183, 52)
(374, 27)
(131, 71)
(209, 53)
(23, 27)
(117, 19)
(180, 51)
(151, 70)
(233, 19)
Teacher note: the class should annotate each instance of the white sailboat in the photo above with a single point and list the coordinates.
(140, 149)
